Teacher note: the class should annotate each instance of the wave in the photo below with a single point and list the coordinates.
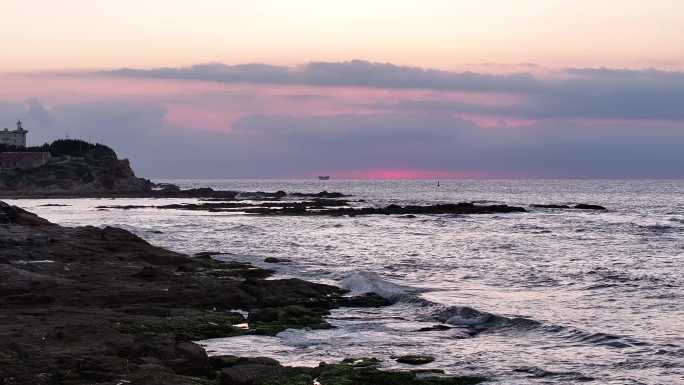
(367, 282)
(459, 316)
(464, 316)
(241, 228)
(473, 321)
(536, 372)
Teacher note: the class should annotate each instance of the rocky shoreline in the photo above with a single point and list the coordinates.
(90, 305)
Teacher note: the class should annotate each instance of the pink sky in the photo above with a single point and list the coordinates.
(548, 81)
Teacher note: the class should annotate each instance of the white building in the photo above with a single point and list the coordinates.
(15, 137)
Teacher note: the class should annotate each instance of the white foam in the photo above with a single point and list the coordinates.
(366, 282)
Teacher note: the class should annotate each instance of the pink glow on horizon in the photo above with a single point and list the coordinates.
(409, 173)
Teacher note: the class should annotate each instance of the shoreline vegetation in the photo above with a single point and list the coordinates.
(88, 305)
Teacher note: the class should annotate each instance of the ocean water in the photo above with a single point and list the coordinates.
(544, 297)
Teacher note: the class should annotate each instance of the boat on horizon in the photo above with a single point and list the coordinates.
(324, 177)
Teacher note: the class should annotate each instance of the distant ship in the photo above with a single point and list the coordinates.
(324, 177)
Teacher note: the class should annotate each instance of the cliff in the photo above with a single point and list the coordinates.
(76, 168)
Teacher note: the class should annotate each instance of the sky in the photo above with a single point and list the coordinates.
(354, 89)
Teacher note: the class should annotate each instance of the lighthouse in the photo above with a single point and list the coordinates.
(15, 137)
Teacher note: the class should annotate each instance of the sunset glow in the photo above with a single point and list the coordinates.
(382, 89)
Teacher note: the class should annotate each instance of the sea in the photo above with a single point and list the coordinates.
(544, 297)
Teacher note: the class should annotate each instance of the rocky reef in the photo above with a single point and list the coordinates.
(89, 305)
(326, 206)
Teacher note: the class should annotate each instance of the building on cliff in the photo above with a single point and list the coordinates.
(19, 160)
(15, 137)
(23, 160)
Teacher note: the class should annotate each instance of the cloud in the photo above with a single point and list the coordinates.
(439, 142)
(356, 73)
(595, 93)
(287, 146)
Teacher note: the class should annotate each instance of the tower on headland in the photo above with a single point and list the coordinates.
(15, 137)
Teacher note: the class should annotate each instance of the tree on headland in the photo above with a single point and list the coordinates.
(67, 147)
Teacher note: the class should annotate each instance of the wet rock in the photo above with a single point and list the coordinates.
(365, 300)
(224, 361)
(110, 306)
(167, 187)
(16, 215)
(270, 321)
(190, 359)
(584, 206)
(250, 374)
(450, 208)
(152, 273)
(276, 260)
(415, 359)
(322, 194)
(362, 362)
(439, 327)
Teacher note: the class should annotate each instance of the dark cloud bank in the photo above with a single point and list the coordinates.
(573, 93)
(285, 146)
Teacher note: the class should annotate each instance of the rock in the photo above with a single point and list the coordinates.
(362, 362)
(152, 273)
(191, 359)
(415, 359)
(365, 300)
(225, 361)
(167, 187)
(439, 327)
(427, 371)
(249, 374)
(106, 305)
(449, 208)
(258, 360)
(276, 260)
(94, 170)
(16, 215)
(584, 206)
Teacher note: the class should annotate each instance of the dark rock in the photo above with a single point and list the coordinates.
(92, 172)
(250, 374)
(414, 359)
(167, 187)
(273, 320)
(258, 360)
(550, 206)
(276, 260)
(15, 215)
(225, 361)
(191, 359)
(427, 371)
(362, 362)
(111, 306)
(450, 208)
(151, 273)
(439, 327)
(584, 206)
(365, 300)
